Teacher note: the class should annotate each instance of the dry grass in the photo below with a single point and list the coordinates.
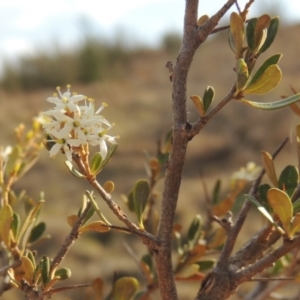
(139, 104)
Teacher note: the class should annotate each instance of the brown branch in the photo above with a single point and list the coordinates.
(146, 237)
(192, 38)
(233, 233)
(246, 273)
(70, 239)
(65, 288)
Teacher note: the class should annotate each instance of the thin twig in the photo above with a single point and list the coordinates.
(65, 288)
(272, 279)
(147, 238)
(233, 233)
(196, 127)
(14, 265)
(70, 239)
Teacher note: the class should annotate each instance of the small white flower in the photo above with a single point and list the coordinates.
(67, 101)
(71, 125)
(64, 145)
(249, 173)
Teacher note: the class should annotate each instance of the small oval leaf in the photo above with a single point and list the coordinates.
(98, 226)
(45, 269)
(124, 288)
(205, 265)
(260, 33)
(288, 180)
(237, 32)
(271, 33)
(15, 225)
(273, 60)
(72, 219)
(282, 206)
(28, 269)
(141, 192)
(194, 230)
(269, 167)
(208, 97)
(63, 273)
(268, 80)
(202, 20)
(198, 104)
(37, 232)
(96, 163)
(250, 29)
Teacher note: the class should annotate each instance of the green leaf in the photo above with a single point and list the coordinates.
(273, 105)
(96, 163)
(242, 74)
(63, 273)
(112, 149)
(237, 33)
(216, 192)
(125, 288)
(263, 211)
(194, 230)
(260, 33)
(31, 217)
(205, 265)
(288, 180)
(148, 261)
(15, 225)
(208, 97)
(130, 202)
(273, 60)
(269, 167)
(141, 192)
(262, 194)
(268, 80)
(30, 255)
(73, 171)
(250, 29)
(6, 218)
(296, 205)
(45, 269)
(37, 232)
(272, 31)
(89, 214)
(282, 206)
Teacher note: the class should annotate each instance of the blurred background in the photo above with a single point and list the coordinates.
(116, 52)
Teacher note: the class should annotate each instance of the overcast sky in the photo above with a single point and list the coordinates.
(33, 24)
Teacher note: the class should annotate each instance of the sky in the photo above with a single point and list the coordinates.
(31, 25)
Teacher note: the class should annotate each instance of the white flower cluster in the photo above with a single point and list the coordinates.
(70, 125)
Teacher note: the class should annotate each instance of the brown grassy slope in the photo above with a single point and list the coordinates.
(139, 104)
